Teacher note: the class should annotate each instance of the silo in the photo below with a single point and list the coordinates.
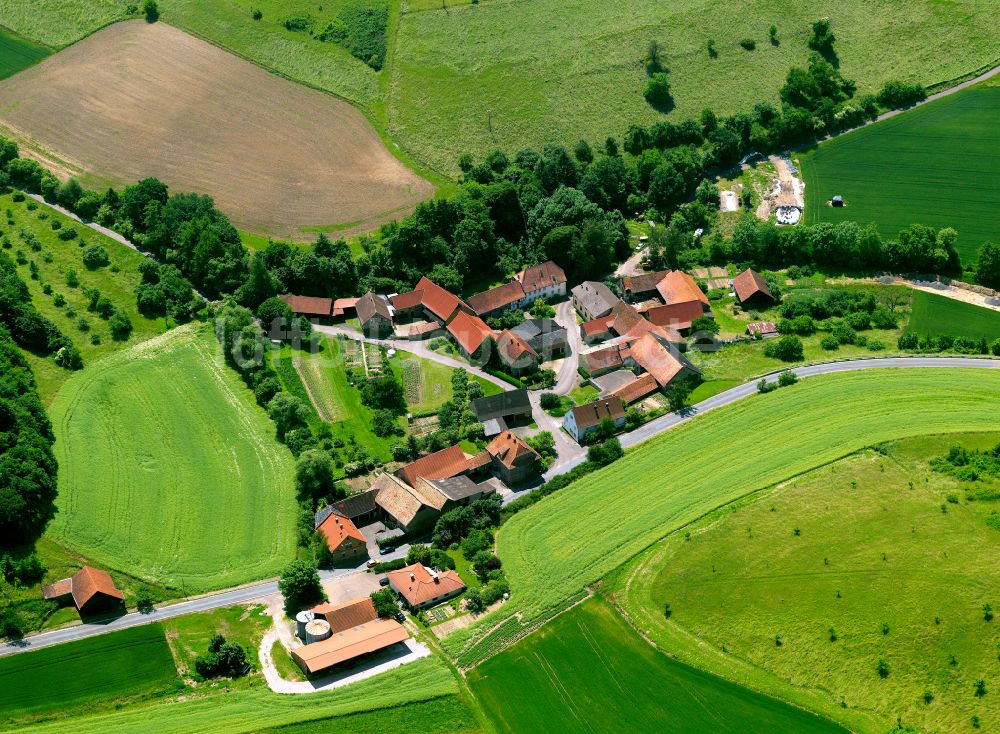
(318, 629)
(301, 620)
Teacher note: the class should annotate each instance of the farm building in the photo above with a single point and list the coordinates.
(471, 334)
(421, 587)
(343, 539)
(678, 287)
(512, 406)
(352, 630)
(636, 389)
(309, 306)
(545, 336)
(374, 315)
(751, 289)
(660, 358)
(597, 330)
(763, 329)
(593, 299)
(546, 280)
(607, 359)
(359, 508)
(400, 505)
(584, 419)
(676, 316)
(514, 461)
(516, 354)
(502, 298)
(449, 462)
(91, 590)
(625, 321)
(640, 287)
(428, 297)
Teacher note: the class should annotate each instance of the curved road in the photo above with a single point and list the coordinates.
(643, 433)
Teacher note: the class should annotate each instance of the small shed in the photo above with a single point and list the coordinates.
(837, 200)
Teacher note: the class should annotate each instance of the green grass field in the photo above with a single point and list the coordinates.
(18, 53)
(169, 471)
(54, 260)
(588, 671)
(552, 70)
(550, 551)
(189, 635)
(873, 547)
(385, 696)
(444, 715)
(106, 669)
(938, 164)
(933, 314)
(58, 23)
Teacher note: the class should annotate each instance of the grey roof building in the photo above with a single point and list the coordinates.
(508, 404)
(593, 299)
(545, 336)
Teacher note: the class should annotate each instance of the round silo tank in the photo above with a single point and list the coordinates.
(301, 620)
(318, 629)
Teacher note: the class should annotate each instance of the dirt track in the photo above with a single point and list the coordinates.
(136, 100)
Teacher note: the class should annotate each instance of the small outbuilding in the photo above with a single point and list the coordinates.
(91, 589)
(837, 200)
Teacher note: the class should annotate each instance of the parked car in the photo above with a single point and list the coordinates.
(386, 549)
(384, 581)
(400, 617)
(371, 562)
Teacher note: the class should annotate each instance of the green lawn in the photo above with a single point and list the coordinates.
(873, 547)
(713, 387)
(169, 471)
(444, 715)
(558, 70)
(584, 394)
(190, 634)
(549, 553)
(938, 164)
(464, 568)
(54, 260)
(18, 53)
(935, 315)
(588, 671)
(283, 663)
(258, 709)
(101, 670)
(58, 23)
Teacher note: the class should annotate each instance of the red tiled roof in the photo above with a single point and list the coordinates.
(592, 414)
(642, 283)
(348, 644)
(637, 389)
(437, 300)
(469, 331)
(676, 315)
(496, 298)
(679, 287)
(441, 464)
(87, 582)
(597, 326)
(418, 586)
(512, 347)
(749, 283)
(336, 529)
(309, 305)
(507, 448)
(654, 356)
(606, 358)
(761, 328)
(541, 276)
(62, 587)
(410, 299)
(369, 306)
(348, 614)
(343, 305)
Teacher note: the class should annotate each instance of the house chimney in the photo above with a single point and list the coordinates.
(412, 577)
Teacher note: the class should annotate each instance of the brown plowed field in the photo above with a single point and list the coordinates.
(136, 100)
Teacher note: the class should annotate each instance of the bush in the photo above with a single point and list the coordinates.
(882, 668)
(384, 424)
(68, 233)
(844, 334)
(874, 345)
(605, 452)
(143, 601)
(120, 326)
(222, 659)
(788, 349)
(72, 280)
(764, 387)
(748, 44)
(787, 378)
(550, 401)
(69, 358)
(151, 11)
(95, 256)
(385, 603)
(830, 343)
(900, 94)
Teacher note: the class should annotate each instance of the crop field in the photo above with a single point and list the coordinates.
(445, 715)
(179, 108)
(54, 260)
(547, 81)
(589, 671)
(938, 164)
(169, 471)
(99, 670)
(549, 553)
(259, 709)
(933, 314)
(18, 53)
(849, 564)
